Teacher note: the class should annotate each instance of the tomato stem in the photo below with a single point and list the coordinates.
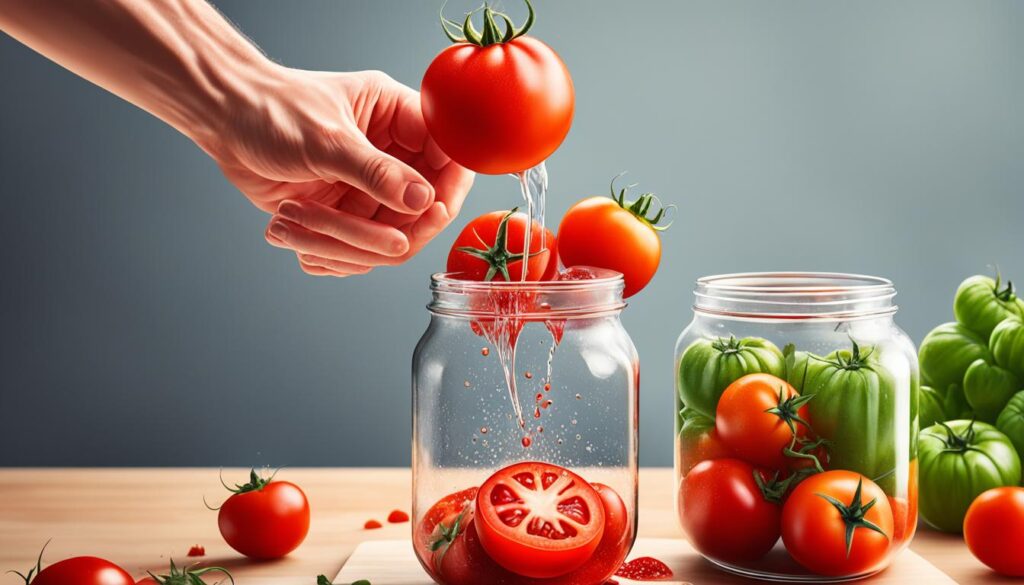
(34, 571)
(959, 443)
(188, 576)
(787, 409)
(853, 514)
(498, 256)
(642, 206)
(1007, 294)
(492, 33)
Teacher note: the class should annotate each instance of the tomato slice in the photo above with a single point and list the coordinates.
(539, 520)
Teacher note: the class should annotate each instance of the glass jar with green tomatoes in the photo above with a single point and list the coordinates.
(796, 426)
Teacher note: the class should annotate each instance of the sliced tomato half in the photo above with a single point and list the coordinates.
(539, 520)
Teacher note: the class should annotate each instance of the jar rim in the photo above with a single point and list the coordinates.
(563, 299)
(795, 296)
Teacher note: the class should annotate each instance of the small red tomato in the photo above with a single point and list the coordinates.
(838, 523)
(490, 247)
(614, 234)
(725, 513)
(77, 571)
(758, 416)
(264, 519)
(994, 530)
(397, 517)
(498, 102)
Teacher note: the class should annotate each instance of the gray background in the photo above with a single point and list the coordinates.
(145, 322)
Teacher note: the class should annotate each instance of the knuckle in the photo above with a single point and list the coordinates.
(377, 172)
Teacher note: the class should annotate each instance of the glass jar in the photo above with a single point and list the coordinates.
(525, 432)
(793, 388)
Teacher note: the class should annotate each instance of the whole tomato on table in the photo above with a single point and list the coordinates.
(616, 234)
(264, 519)
(77, 571)
(994, 530)
(497, 101)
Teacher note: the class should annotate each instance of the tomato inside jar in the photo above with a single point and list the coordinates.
(525, 455)
(796, 424)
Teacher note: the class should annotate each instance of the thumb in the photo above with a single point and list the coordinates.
(383, 177)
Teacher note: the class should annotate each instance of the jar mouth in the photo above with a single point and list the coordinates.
(530, 300)
(795, 296)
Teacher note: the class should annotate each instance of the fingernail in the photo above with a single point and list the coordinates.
(279, 230)
(416, 196)
(289, 210)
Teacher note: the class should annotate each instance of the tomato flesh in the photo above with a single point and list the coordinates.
(539, 520)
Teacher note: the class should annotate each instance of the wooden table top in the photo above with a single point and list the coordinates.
(139, 518)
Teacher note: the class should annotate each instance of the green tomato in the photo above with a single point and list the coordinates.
(796, 366)
(853, 408)
(980, 304)
(947, 352)
(1011, 422)
(708, 366)
(955, 404)
(959, 460)
(987, 388)
(931, 409)
(1007, 344)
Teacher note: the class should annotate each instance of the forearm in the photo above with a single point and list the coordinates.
(177, 59)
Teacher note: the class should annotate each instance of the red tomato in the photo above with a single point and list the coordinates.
(265, 519)
(818, 514)
(79, 571)
(904, 512)
(429, 533)
(994, 530)
(616, 518)
(757, 417)
(614, 234)
(497, 103)
(539, 520)
(700, 446)
(725, 514)
(490, 247)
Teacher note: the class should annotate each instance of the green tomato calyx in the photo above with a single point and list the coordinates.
(773, 490)
(497, 256)
(727, 346)
(853, 514)
(188, 575)
(957, 443)
(256, 483)
(492, 34)
(34, 571)
(641, 207)
(855, 362)
(445, 536)
(787, 409)
(1007, 294)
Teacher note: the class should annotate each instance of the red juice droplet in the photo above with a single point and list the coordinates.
(547, 387)
(540, 429)
(529, 375)
(397, 517)
(483, 430)
(536, 413)
(372, 525)
(485, 351)
(527, 442)
(546, 404)
(197, 550)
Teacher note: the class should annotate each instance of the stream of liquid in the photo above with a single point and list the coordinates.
(504, 335)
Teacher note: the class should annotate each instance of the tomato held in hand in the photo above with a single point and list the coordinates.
(77, 570)
(758, 417)
(539, 520)
(838, 523)
(491, 248)
(497, 102)
(994, 530)
(615, 234)
(725, 512)
(264, 519)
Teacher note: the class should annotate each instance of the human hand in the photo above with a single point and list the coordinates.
(344, 164)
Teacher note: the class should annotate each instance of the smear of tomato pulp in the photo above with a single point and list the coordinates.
(372, 525)
(644, 569)
(197, 551)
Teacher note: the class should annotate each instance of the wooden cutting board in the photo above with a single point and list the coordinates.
(392, 562)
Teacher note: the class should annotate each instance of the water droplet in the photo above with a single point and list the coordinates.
(529, 375)
(540, 429)
(578, 437)
(573, 421)
(466, 384)
(559, 441)
(544, 306)
(578, 397)
(527, 442)
(485, 351)
(483, 430)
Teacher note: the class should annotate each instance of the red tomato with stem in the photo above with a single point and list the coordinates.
(491, 246)
(759, 416)
(77, 570)
(838, 523)
(183, 576)
(994, 530)
(726, 513)
(539, 520)
(615, 234)
(497, 102)
(264, 519)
